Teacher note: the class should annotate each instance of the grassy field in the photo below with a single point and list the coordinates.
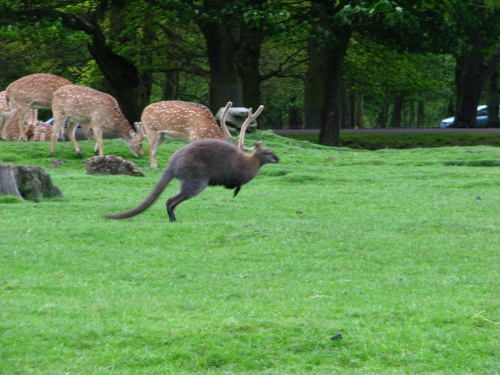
(396, 250)
(377, 141)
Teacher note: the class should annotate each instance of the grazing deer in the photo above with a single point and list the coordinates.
(39, 132)
(182, 120)
(203, 163)
(95, 111)
(33, 91)
(10, 132)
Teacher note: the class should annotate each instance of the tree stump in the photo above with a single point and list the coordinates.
(27, 182)
(111, 164)
(8, 183)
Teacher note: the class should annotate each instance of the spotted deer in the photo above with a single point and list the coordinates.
(178, 120)
(32, 91)
(10, 132)
(95, 111)
(4, 110)
(39, 131)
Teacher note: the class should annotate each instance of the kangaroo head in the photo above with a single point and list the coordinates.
(265, 155)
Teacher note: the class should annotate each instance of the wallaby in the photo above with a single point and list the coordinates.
(202, 163)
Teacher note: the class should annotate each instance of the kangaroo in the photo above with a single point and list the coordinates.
(202, 163)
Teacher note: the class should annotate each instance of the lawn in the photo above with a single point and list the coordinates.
(395, 250)
(377, 141)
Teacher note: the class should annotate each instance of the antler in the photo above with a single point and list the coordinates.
(225, 130)
(250, 118)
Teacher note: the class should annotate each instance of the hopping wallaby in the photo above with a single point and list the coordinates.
(202, 163)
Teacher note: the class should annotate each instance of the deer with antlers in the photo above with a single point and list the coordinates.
(95, 111)
(180, 120)
(33, 91)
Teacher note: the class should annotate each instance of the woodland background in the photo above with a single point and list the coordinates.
(313, 64)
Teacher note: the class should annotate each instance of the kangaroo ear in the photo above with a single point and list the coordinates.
(258, 145)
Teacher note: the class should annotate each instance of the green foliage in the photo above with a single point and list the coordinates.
(162, 37)
(397, 250)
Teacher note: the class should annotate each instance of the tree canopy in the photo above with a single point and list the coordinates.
(309, 62)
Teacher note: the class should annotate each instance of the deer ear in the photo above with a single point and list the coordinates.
(258, 145)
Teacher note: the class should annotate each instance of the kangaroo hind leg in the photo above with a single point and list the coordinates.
(187, 191)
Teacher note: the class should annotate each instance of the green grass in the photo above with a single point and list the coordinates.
(376, 141)
(397, 250)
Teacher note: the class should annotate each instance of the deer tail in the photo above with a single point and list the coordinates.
(166, 177)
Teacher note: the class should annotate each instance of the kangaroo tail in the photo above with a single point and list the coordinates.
(166, 177)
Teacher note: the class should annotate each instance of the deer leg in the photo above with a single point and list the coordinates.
(71, 135)
(2, 121)
(10, 117)
(189, 189)
(97, 133)
(13, 126)
(59, 120)
(61, 134)
(154, 142)
(22, 114)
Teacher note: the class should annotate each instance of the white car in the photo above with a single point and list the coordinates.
(482, 117)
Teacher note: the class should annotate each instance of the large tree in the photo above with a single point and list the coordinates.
(99, 20)
(478, 57)
(328, 42)
(405, 25)
(234, 34)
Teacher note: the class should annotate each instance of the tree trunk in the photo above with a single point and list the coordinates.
(347, 115)
(171, 88)
(397, 111)
(359, 122)
(323, 91)
(248, 60)
(294, 121)
(27, 181)
(383, 116)
(225, 84)
(329, 134)
(474, 77)
(313, 86)
(420, 114)
(409, 115)
(131, 88)
(493, 102)
(8, 183)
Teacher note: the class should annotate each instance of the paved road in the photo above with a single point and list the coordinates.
(393, 131)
